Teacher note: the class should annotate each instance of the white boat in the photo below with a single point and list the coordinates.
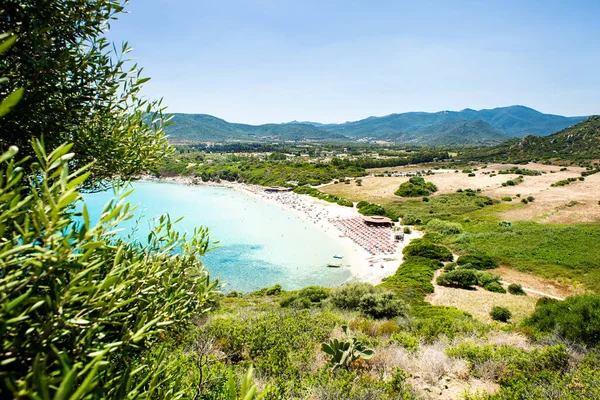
(334, 265)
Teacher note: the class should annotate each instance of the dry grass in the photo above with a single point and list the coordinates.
(479, 302)
(431, 371)
(577, 202)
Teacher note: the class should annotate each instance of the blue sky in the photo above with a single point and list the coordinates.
(333, 61)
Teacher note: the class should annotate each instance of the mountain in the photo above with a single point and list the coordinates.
(514, 121)
(204, 127)
(580, 141)
(452, 133)
(478, 127)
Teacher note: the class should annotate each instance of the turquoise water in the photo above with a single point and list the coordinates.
(260, 244)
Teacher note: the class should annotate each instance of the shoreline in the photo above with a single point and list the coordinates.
(364, 267)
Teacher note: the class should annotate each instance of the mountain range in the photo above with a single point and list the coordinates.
(578, 142)
(477, 127)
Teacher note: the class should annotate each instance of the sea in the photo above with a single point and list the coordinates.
(257, 244)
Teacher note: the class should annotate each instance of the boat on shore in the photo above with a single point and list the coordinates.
(334, 265)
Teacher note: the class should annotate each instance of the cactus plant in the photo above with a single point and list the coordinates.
(345, 352)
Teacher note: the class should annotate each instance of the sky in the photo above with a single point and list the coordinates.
(335, 61)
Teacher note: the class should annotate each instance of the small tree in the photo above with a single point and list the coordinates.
(501, 314)
(359, 182)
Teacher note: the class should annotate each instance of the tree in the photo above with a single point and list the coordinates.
(77, 88)
(359, 182)
(78, 305)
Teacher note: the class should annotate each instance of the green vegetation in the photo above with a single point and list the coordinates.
(520, 171)
(76, 90)
(416, 187)
(80, 306)
(567, 181)
(366, 208)
(323, 196)
(345, 353)
(501, 314)
(460, 278)
(477, 261)
(425, 249)
(579, 142)
(577, 318)
(516, 289)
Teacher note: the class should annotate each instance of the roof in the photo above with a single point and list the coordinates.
(377, 219)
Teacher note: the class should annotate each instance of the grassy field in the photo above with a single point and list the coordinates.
(552, 251)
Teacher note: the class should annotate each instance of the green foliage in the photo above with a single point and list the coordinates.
(501, 314)
(407, 230)
(80, 305)
(483, 278)
(305, 297)
(517, 289)
(416, 187)
(444, 227)
(576, 318)
(423, 248)
(247, 390)
(462, 278)
(344, 353)
(446, 207)
(323, 196)
(495, 287)
(507, 198)
(349, 295)
(79, 89)
(382, 305)
(274, 290)
(478, 261)
(366, 208)
(414, 274)
(432, 322)
(520, 171)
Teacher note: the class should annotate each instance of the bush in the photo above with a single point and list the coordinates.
(349, 295)
(314, 293)
(501, 314)
(462, 278)
(483, 278)
(80, 305)
(407, 230)
(530, 198)
(450, 266)
(414, 274)
(478, 261)
(366, 208)
(495, 287)
(576, 318)
(507, 198)
(444, 227)
(422, 248)
(516, 289)
(382, 305)
(415, 187)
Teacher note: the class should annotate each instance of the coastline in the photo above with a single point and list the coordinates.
(364, 267)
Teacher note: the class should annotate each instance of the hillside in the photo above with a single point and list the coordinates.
(581, 141)
(204, 127)
(482, 127)
(514, 121)
(451, 133)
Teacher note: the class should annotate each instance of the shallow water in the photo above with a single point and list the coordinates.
(260, 244)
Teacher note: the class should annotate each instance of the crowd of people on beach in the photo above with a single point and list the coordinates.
(377, 240)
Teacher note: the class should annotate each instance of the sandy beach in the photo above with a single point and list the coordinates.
(364, 266)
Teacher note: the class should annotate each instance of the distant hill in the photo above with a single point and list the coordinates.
(513, 121)
(483, 127)
(452, 133)
(580, 141)
(204, 127)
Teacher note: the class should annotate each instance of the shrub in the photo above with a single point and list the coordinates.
(344, 353)
(366, 208)
(516, 289)
(472, 174)
(426, 199)
(382, 305)
(415, 273)
(314, 293)
(483, 278)
(507, 198)
(349, 295)
(293, 300)
(530, 198)
(444, 227)
(422, 248)
(407, 230)
(463, 278)
(495, 287)
(478, 261)
(450, 266)
(79, 305)
(576, 318)
(415, 187)
(501, 314)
